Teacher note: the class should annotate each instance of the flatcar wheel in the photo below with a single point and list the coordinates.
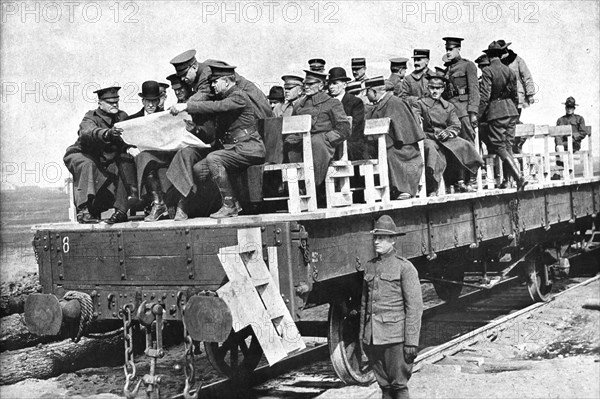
(344, 346)
(238, 356)
(448, 292)
(539, 284)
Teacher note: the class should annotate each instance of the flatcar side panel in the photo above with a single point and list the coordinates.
(532, 210)
(452, 227)
(558, 204)
(492, 215)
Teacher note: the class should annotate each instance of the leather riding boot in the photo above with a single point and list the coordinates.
(514, 170)
(229, 209)
(159, 208)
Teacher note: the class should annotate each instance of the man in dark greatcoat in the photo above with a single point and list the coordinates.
(237, 139)
(390, 312)
(414, 85)
(498, 107)
(354, 107)
(405, 163)
(398, 71)
(97, 160)
(330, 126)
(442, 145)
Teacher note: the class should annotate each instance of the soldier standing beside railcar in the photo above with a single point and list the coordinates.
(96, 162)
(390, 313)
(498, 107)
(405, 163)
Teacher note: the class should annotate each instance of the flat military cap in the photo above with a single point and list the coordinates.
(276, 94)
(314, 76)
(338, 73)
(570, 102)
(494, 48)
(482, 60)
(218, 71)
(163, 86)
(357, 63)
(503, 44)
(354, 87)
(290, 81)
(175, 81)
(316, 64)
(108, 93)
(374, 82)
(439, 73)
(453, 41)
(183, 61)
(385, 226)
(420, 53)
(398, 62)
(150, 90)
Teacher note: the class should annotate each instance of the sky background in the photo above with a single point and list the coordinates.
(55, 54)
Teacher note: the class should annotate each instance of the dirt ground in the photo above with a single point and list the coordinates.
(553, 352)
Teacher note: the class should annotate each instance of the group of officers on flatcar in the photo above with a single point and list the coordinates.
(440, 106)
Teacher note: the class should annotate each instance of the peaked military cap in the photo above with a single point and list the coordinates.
(183, 61)
(150, 90)
(218, 71)
(420, 53)
(374, 82)
(358, 63)
(316, 64)
(385, 226)
(314, 76)
(163, 85)
(399, 62)
(453, 41)
(354, 87)
(482, 60)
(338, 73)
(276, 94)
(439, 73)
(290, 81)
(175, 81)
(570, 102)
(503, 44)
(108, 93)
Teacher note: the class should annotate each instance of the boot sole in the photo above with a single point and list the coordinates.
(162, 216)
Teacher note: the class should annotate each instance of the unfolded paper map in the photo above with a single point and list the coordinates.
(160, 131)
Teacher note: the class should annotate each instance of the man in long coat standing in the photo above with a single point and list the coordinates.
(405, 163)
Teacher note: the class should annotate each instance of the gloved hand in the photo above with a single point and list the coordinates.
(190, 126)
(177, 108)
(444, 135)
(473, 120)
(410, 353)
(112, 135)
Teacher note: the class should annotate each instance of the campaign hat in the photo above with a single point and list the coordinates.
(385, 226)
(570, 102)
(494, 49)
(108, 93)
(150, 90)
(338, 73)
(504, 44)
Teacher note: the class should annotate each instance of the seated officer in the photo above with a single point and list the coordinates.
(330, 125)
(98, 161)
(239, 143)
(577, 124)
(442, 144)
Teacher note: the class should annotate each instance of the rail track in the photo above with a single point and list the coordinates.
(447, 329)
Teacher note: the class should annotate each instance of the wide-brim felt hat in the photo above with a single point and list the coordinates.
(385, 226)
(150, 90)
(494, 48)
(570, 102)
(504, 44)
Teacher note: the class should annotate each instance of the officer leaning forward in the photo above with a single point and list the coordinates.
(390, 313)
(100, 166)
(241, 144)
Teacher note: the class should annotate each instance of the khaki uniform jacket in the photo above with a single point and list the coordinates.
(328, 116)
(577, 124)
(414, 86)
(464, 75)
(392, 302)
(499, 96)
(525, 85)
(233, 113)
